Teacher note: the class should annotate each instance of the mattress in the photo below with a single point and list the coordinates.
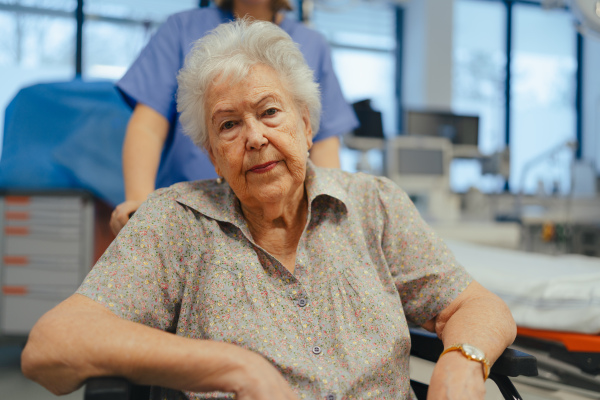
(560, 293)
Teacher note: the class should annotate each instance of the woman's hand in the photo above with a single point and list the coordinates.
(120, 215)
(456, 378)
(253, 378)
(103, 344)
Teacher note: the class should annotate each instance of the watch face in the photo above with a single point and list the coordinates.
(473, 352)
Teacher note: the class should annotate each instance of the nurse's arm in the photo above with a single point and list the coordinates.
(80, 339)
(326, 153)
(144, 141)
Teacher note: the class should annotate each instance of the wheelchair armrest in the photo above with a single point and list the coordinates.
(515, 363)
(428, 346)
(114, 388)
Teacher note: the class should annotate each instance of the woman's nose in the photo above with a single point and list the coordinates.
(255, 135)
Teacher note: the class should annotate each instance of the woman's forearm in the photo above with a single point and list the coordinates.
(481, 319)
(80, 339)
(477, 317)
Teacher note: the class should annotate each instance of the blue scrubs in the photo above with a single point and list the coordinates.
(152, 80)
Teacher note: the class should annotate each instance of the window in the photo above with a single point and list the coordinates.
(126, 26)
(363, 43)
(101, 61)
(543, 100)
(36, 45)
(479, 61)
(542, 126)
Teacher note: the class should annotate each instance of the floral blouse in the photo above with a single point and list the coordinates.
(336, 328)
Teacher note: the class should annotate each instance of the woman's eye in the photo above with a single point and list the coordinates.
(227, 125)
(271, 111)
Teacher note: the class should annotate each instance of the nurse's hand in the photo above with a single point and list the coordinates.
(120, 215)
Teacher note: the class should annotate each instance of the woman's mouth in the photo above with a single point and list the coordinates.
(262, 168)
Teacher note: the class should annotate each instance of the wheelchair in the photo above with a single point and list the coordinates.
(425, 345)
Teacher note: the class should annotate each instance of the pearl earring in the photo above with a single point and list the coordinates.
(219, 180)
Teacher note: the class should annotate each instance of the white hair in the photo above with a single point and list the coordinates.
(230, 51)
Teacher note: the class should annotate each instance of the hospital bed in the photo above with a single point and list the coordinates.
(555, 301)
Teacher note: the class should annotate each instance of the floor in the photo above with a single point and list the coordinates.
(14, 386)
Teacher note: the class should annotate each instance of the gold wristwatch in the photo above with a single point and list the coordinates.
(472, 353)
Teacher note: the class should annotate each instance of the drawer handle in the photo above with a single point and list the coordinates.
(16, 230)
(17, 215)
(16, 260)
(14, 290)
(17, 200)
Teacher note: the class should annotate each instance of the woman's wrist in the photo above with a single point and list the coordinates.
(229, 366)
(455, 359)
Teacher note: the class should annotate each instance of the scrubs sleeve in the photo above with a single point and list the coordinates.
(337, 117)
(152, 79)
(426, 274)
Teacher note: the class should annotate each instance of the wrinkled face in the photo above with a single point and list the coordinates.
(258, 137)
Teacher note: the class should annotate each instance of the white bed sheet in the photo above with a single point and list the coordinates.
(543, 292)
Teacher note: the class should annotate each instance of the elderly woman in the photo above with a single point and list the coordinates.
(156, 152)
(280, 280)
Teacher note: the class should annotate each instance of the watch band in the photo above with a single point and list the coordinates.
(472, 353)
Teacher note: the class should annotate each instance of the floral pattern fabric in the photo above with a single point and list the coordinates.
(336, 328)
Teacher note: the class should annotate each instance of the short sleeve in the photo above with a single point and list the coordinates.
(141, 276)
(152, 78)
(425, 271)
(337, 117)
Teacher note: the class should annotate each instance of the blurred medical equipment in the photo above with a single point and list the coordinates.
(562, 224)
(65, 135)
(420, 165)
(367, 137)
(61, 165)
(461, 130)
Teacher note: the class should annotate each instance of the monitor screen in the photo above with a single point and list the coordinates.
(371, 125)
(459, 129)
(419, 161)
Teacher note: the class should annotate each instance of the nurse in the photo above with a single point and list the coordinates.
(156, 152)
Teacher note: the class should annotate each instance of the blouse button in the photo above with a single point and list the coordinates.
(302, 302)
(330, 397)
(317, 350)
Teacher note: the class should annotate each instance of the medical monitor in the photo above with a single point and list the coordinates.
(461, 130)
(419, 163)
(371, 125)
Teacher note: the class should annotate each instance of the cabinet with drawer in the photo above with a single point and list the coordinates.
(47, 248)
